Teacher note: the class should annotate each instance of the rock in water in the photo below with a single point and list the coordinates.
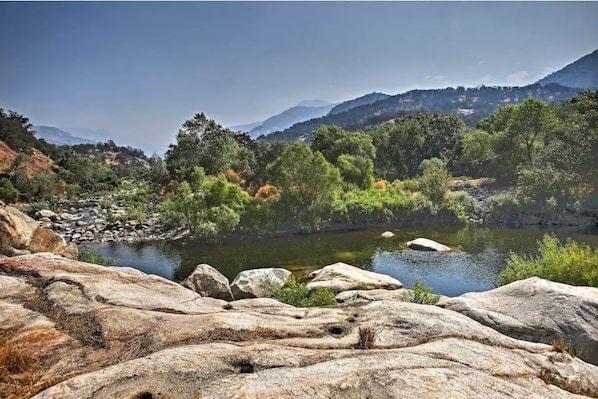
(207, 281)
(537, 310)
(424, 244)
(342, 277)
(387, 234)
(256, 283)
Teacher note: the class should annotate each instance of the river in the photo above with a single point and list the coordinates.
(480, 255)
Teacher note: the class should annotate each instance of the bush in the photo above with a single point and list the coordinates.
(87, 255)
(297, 294)
(503, 207)
(435, 181)
(420, 294)
(8, 192)
(572, 263)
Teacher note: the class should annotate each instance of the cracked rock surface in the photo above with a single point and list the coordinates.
(110, 332)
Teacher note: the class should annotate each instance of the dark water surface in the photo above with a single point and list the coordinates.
(481, 255)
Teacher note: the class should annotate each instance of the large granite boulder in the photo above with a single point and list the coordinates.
(537, 310)
(258, 283)
(342, 277)
(424, 244)
(207, 281)
(111, 332)
(22, 233)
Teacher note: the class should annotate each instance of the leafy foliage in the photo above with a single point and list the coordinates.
(435, 181)
(210, 207)
(420, 294)
(571, 263)
(87, 255)
(8, 193)
(309, 186)
(297, 294)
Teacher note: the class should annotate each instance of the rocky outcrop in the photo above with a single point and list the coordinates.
(537, 310)
(342, 277)
(207, 281)
(258, 283)
(99, 332)
(424, 244)
(20, 232)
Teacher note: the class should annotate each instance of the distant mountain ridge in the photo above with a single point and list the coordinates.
(56, 136)
(359, 101)
(471, 104)
(582, 74)
(288, 118)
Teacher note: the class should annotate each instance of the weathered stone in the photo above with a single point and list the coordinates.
(207, 281)
(424, 244)
(118, 333)
(46, 213)
(342, 277)
(364, 296)
(537, 310)
(387, 234)
(21, 232)
(257, 283)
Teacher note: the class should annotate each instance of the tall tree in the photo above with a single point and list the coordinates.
(309, 185)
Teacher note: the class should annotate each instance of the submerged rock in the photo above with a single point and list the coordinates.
(537, 310)
(424, 244)
(342, 277)
(257, 283)
(207, 281)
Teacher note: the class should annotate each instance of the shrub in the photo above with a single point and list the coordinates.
(572, 263)
(8, 192)
(87, 255)
(297, 294)
(503, 207)
(380, 185)
(435, 181)
(420, 294)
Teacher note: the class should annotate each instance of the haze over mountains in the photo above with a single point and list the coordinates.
(297, 123)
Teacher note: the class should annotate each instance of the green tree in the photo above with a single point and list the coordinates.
(309, 185)
(201, 142)
(357, 171)
(209, 206)
(8, 193)
(435, 182)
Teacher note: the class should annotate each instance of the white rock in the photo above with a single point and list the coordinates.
(387, 234)
(342, 277)
(424, 244)
(255, 283)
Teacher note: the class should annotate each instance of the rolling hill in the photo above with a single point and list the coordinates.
(582, 74)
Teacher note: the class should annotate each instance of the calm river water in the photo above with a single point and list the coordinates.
(481, 255)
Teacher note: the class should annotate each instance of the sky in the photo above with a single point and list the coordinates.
(140, 69)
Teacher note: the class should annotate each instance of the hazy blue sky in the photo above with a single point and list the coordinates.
(141, 69)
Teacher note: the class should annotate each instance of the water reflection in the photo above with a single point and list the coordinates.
(481, 257)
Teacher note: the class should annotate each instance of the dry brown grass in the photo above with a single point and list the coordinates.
(367, 335)
(19, 374)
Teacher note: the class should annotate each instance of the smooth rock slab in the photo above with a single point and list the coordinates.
(343, 277)
(255, 283)
(537, 310)
(207, 281)
(424, 244)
